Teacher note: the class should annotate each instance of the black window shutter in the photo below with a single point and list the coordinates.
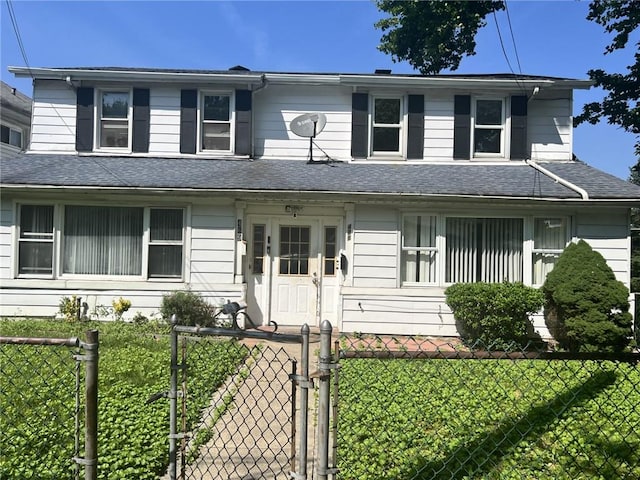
(462, 127)
(84, 119)
(519, 150)
(243, 122)
(359, 125)
(415, 134)
(141, 116)
(188, 120)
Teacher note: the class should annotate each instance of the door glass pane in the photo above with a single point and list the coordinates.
(330, 250)
(258, 249)
(294, 250)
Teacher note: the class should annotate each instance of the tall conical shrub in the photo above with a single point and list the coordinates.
(586, 308)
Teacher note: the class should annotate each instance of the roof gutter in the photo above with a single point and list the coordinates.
(580, 191)
(147, 76)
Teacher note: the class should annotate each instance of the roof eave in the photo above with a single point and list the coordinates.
(127, 75)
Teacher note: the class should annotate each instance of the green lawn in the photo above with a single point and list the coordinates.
(489, 419)
(36, 411)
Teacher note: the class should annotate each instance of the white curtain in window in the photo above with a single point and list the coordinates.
(549, 239)
(485, 249)
(103, 240)
(419, 265)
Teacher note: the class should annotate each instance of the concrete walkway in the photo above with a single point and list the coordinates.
(251, 440)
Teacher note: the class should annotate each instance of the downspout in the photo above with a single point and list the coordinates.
(580, 191)
(262, 86)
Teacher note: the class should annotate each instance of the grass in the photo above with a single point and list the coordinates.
(37, 398)
(491, 419)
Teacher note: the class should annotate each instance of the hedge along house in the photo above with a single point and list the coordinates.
(139, 182)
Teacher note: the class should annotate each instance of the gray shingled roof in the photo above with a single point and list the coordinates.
(464, 179)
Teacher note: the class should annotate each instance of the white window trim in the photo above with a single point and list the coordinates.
(502, 127)
(232, 122)
(16, 240)
(58, 245)
(441, 243)
(436, 248)
(14, 128)
(402, 126)
(98, 120)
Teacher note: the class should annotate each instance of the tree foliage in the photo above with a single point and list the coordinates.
(586, 308)
(432, 36)
(620, 105)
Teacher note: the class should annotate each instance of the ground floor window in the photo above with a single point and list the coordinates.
(483, 250)
(102, 241)
(549, 239)
(439, 249)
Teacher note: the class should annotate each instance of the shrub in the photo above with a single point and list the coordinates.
(120, 306)
(586, 308)
(494, 314)
(189, 307)
(69, 308)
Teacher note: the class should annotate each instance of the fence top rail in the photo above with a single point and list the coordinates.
(626, 357)
(62, 342)
(240, 334)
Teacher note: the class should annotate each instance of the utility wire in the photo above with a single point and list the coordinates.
(513, 39)
(16, 29)
(504, 52)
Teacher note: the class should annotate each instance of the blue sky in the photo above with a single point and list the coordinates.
(552, 38)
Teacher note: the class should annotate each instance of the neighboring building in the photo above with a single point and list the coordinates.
(15, 119)
(139, 182)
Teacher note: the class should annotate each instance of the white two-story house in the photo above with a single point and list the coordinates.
(356, 198)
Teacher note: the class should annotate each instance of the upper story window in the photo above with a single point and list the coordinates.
(11, 136)
(386, 126)
(488, 127)
(215, 131)
(114, 119)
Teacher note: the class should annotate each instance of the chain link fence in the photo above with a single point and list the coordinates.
(417, 408)
(48, 408)
(247, 429)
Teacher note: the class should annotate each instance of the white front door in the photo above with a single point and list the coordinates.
(293, 274)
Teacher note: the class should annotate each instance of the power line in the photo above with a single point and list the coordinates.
(16, 29)
(513, 39)
(504, 52)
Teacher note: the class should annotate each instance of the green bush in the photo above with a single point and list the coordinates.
(586, 308)
(494, 314)
(189, 307)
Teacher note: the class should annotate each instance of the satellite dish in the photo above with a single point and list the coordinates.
(308, 125)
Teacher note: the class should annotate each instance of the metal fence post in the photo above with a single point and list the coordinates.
(324, 365)
(304, 401)
(173, 400)
(91, 410)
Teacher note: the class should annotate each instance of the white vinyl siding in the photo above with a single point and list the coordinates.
(438, 127)
(54, 118)
(375, 253)
(275, 108)
(550, 130)
(164, 121)
(212, 245)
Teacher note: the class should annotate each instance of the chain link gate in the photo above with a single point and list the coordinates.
(50, 429)
(255, 425)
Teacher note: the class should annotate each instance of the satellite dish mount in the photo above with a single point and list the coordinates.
(309, 125)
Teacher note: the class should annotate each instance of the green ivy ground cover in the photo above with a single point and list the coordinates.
(488, 419)
(134, 363)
